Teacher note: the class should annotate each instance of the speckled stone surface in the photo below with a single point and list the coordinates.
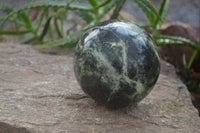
(39, 94)
(116, 63)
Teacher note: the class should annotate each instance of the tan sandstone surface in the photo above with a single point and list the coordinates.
(39, 94)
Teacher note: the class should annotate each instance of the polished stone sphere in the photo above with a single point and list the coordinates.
(116, 63)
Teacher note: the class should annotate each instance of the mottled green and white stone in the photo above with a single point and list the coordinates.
(116, 63)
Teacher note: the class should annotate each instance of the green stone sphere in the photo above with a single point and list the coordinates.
(116, 63)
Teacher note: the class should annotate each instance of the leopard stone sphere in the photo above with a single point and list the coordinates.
(116, 63)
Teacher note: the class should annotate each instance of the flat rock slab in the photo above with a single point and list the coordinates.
(39, 94)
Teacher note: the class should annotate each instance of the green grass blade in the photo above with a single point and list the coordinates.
(58, 4)
(70, 39)
(164, 8)
(25, 18)
(6, 9)
(7, 18)
(105, 2)
(14, 20)
(189, 76)
(151, 7)
(47, 24)
(80, 6)
(45, 29)
(20, 18)
(149, 14)
(61, 25)
(119, 6)
(106, 9)
(149, 10)
(187, 71)
(87, 16)
(94, 3)
(39, 19)
(191, 85)
(171, 40)
(51, 33)
(57, 28)
(193, 57)
(145, 24)
(62, 4)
